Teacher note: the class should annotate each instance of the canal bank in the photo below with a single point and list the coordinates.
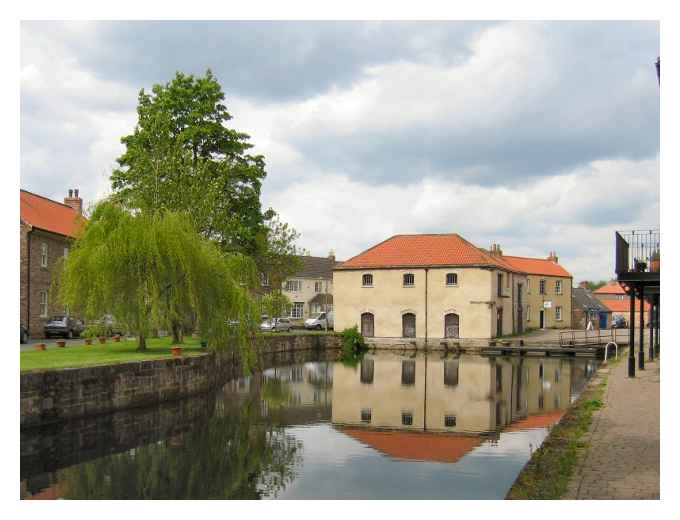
(606, 446)
(50, 396)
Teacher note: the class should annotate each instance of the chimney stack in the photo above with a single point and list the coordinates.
(496, 250)
(553, 256)
(74, 201)
(331, 255)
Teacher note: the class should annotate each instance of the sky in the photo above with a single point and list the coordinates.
(538, 136)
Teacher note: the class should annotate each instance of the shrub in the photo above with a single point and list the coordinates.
(353, 346)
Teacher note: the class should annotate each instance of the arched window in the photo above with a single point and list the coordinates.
(408, 325)
(409, 280)
(451, 279)
(367, 280)
(451, 325)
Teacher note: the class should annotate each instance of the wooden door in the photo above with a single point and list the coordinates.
(367, 330)
(408, 325)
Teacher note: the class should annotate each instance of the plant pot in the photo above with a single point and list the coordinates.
(176, 351)
(655, 266)
(102, 339)
(116, 338)
(88, 341)
(61, 344)
(40, 346)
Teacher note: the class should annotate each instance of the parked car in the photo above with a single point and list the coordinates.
(276, 325)
(320, 321)
(24, 334)
(619, 322)
(64, 326)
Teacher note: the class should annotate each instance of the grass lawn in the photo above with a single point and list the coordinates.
(108, 353)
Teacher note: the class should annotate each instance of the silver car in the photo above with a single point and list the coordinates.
(276, 325)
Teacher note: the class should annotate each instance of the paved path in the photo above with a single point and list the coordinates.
(623, 459)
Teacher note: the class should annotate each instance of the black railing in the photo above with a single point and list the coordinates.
(638, 251)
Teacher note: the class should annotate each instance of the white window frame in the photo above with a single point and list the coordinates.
(43, 254)
(364, 278)
(318, 286)
(413, 278)
(66, 251)
(558, 313)
(558, 286)
(43, 304)
(294, 307)
(293, 286)
(528, 312)
(455, 277)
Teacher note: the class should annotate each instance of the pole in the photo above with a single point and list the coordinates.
(641, 351)
(631, 335)
(651, 331)
(658, 324)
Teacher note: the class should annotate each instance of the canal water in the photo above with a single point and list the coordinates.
(387, 426)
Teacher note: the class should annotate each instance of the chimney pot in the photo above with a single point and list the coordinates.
(70, 193)
(76, 192)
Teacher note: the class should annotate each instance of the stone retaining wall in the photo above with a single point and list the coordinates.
(51, 396)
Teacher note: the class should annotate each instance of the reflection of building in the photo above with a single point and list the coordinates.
(464, 394)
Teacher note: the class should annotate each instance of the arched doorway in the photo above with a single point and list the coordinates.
(408, 325)
(452, 325)
(367, 329)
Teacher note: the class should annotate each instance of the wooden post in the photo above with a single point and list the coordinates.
(641, 351)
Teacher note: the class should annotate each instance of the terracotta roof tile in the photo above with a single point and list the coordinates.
(424, 250)
(43, 213)
(624, 305)
(434, 447)
(541, 266)
(610, 288)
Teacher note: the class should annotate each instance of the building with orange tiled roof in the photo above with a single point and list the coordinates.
(548, 291)
(429, 287)
(622, 308)
(47, 230)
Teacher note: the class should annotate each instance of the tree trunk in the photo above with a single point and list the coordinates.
(177, 333)
(141, 344)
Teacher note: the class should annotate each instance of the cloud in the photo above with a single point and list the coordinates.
(536, 135)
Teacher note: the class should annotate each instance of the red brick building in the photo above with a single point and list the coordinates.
(47, 230)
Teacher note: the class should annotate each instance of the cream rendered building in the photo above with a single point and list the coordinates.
(548, 291)
(429, 287)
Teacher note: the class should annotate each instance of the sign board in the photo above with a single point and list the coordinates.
(547, 305)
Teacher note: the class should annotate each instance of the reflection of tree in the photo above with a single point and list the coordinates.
(276, 392)
(236, 455)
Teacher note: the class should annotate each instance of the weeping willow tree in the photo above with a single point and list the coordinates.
(151, 269)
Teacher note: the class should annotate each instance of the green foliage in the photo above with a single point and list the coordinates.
(275, 304)
(183, 157)
(94, 330)
(592, 286)
(353, 346)
(151, 269)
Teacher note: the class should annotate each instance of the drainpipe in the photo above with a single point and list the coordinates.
(426, 270)
(28, 281)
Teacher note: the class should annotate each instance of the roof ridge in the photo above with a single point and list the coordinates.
(47, 199)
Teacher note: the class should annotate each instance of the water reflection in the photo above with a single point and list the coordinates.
(309, 427)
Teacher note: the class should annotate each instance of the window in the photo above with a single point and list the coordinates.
(507, 281)
(407, 418)
(367, 280)
(293, 285)
(409, 280)
(43, 254)
(541, 287)
(540, 402)
(43, 304)
(366, 415)
(451, 279)
(558, 286)
(558, 313)
(528, 312)
(557, 375)
(296, 311)
(451, 372)
(66, 250)
(540, 371)
(528, 285)
(500, 284)
(316, 308)
(408, 372)
(449, 421)
(367, 371)
(318, 286)
(499, 378)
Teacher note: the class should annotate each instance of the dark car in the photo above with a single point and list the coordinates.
(24, 334)
(64, 326)
(619, 322)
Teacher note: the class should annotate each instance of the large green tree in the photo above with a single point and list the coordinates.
(150, 269)
(182, 156)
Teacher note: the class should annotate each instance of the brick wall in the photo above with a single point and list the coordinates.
(56, 395)
(34, 278)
